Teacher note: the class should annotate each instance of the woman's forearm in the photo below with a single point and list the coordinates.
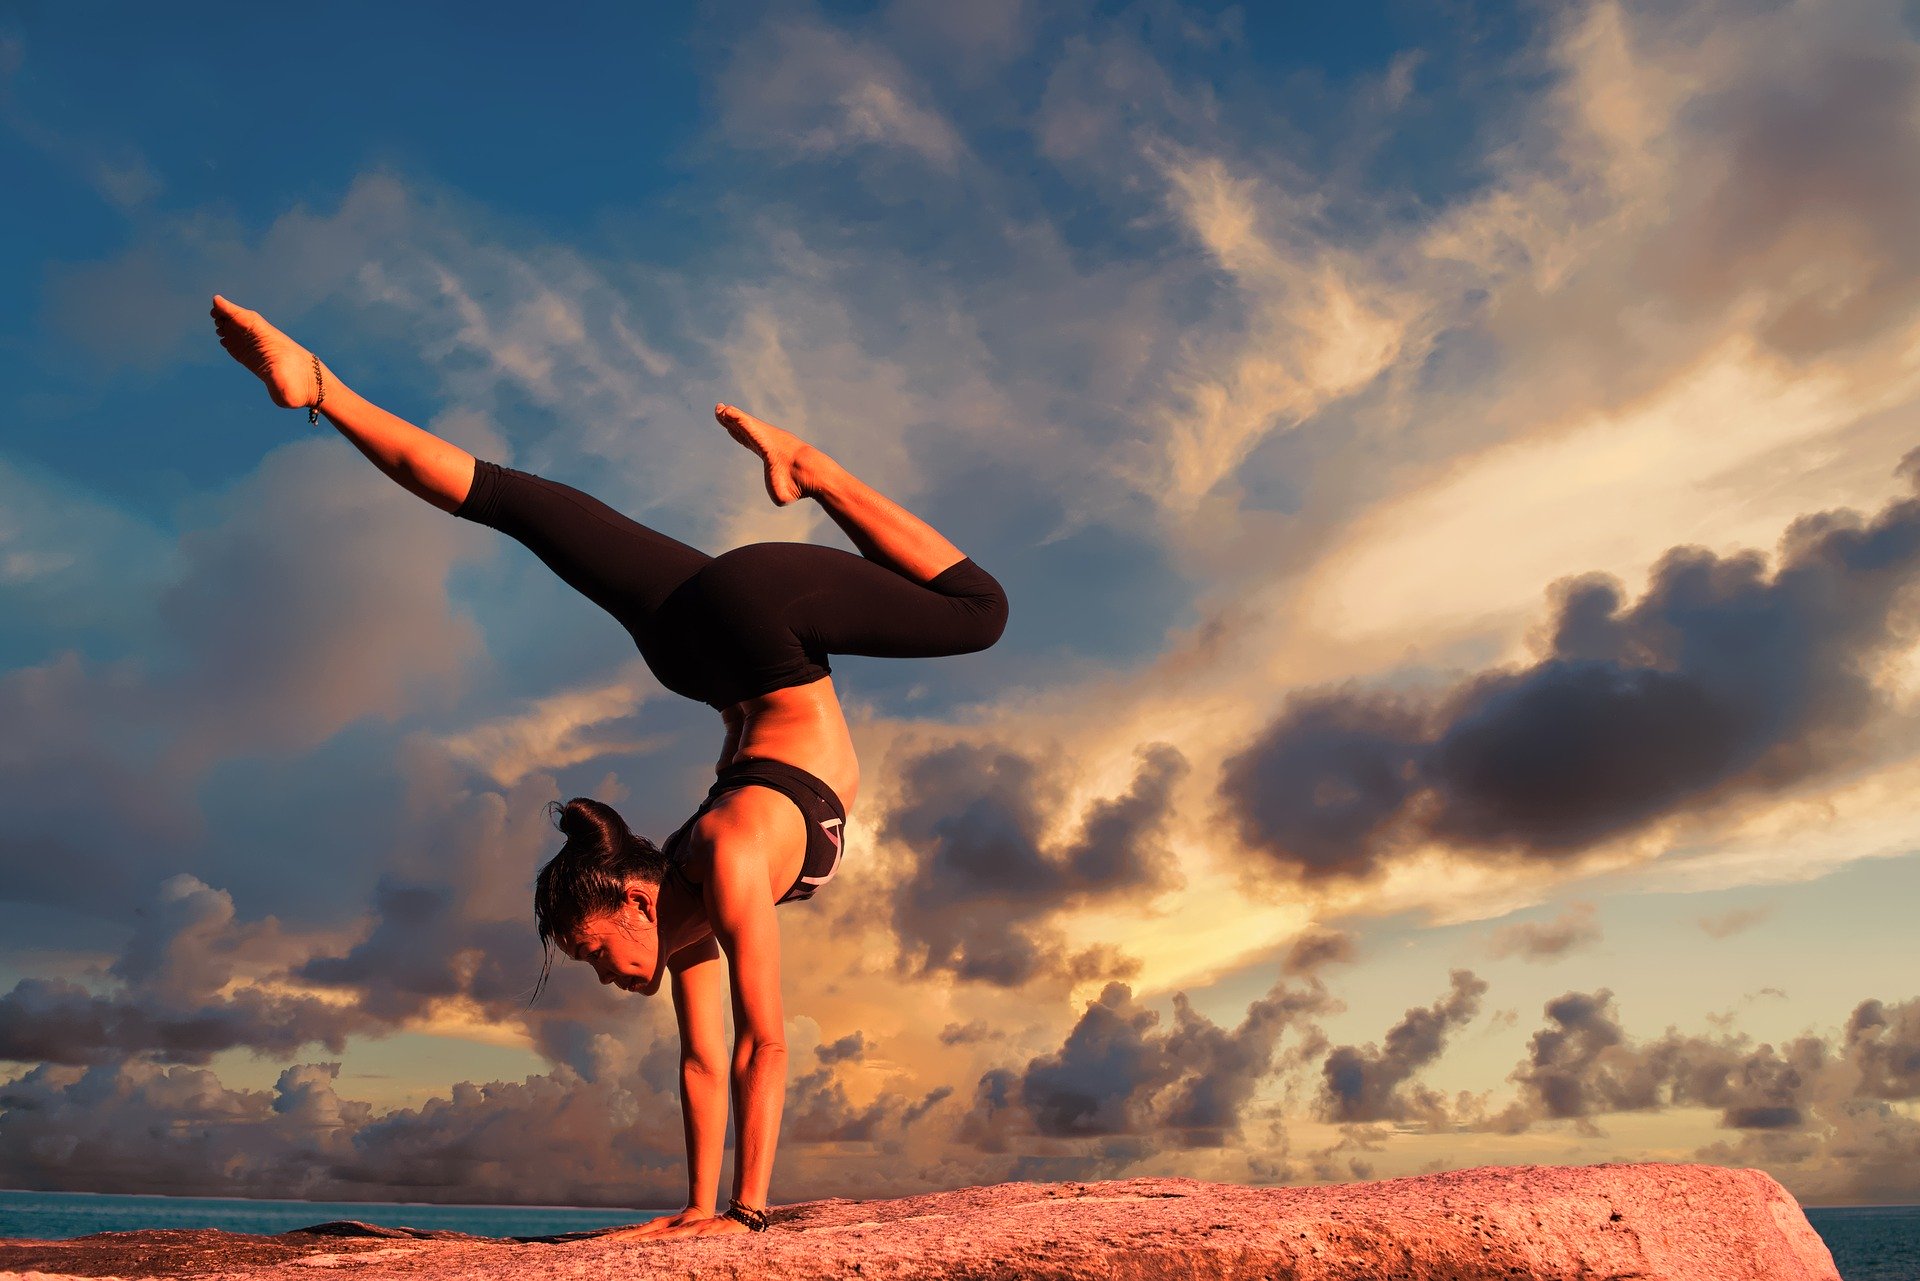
(759, 1093)
(703, 1110)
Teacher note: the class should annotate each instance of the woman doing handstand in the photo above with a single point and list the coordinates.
(748, 632)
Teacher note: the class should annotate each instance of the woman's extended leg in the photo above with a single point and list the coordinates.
(882, 529)
(421, 462)
(614, 561)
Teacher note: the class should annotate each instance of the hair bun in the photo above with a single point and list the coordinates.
(585, 819)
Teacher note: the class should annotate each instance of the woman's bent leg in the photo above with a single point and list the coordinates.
(775, 612)
(882, 529)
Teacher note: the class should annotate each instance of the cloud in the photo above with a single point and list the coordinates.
(301, 616)
(1584, 1065)
(1318, 947)
(1802, 179)
(1258, 352)
(1119, 1076)
(1884, 1042)
(308, 598)
(1575, 928)
(1370, 1084)
(1322, 324)
(819, 1108)
(1577, 1066)
(983, 885)
(194, 983)
(850, 1048)
(558, 730)
(1726, 924)
(71, 563)
(808, 88)
(552, 1140)
(1724, 679)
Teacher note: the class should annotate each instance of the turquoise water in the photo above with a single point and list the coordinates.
(1869, 1243)
(54, 1216)
(1872, 1242)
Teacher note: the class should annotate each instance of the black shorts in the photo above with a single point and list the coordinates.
(723, 629)
(826, 822)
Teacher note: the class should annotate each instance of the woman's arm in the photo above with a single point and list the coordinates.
(699, 988)
(732, 840)
(740, 894)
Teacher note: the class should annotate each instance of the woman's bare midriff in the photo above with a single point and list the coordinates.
(803, 727)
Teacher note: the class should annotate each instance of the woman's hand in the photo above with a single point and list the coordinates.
(684, 1223)
(718, 1226)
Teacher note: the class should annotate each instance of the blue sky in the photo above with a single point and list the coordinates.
(1446, 461)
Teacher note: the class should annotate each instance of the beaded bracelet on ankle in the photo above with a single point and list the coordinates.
(313, 410)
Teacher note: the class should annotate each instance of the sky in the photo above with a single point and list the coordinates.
(1452, 465)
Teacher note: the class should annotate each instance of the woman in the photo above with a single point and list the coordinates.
(749, 633)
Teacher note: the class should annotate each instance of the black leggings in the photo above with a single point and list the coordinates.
(726, 628)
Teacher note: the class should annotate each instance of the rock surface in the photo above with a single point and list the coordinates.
(1538, 1223)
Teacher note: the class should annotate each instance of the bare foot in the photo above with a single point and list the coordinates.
(789, 460)
(282, 364)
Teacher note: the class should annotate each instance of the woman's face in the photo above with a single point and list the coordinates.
(622, 946)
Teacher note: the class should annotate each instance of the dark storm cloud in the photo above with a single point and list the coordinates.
(424, 948)
(1584, 1065)
(928, 1102)
(1884, 1043)
(429, 944)
(1547, 940)
(850, 1048)
(1579, 1066)
(1316, 949)
(194, 980)
(1723, 679)
(184, 994)
(1120, 1076)
(972, 1032)
(134, 1127)
(55, 1021)
(818, 1109)
(1370, 1083)
(1834, 1130)
(977, 901)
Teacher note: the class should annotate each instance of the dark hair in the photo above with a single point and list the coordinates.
(591, 872)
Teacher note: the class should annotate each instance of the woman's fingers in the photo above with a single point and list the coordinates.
(639, 1232)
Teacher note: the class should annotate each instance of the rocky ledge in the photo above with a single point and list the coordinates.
(1648, 1222)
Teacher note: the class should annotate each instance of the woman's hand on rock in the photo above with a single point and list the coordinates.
(672, 1225)
(721, 1226)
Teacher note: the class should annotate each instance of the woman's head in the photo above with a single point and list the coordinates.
(594, 900)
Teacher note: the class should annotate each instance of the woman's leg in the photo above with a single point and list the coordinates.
(617, 563)
(419, 461)
(882, 529)
(781, 609)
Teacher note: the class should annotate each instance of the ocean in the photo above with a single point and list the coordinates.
(55, 1216)
(1872, 1242)
(1869, 1243)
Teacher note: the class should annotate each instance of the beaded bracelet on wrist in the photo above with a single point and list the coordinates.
(755, 1220)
